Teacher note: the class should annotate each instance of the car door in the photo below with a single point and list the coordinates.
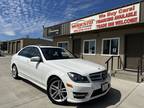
(35, 67)
(22, 61)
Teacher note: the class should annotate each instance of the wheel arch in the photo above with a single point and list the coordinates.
(13, 64)
(53, 76)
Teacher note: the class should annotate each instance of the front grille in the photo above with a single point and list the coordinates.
(99, 76)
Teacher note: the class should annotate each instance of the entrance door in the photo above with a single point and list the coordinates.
(77, 47)
(134, 50)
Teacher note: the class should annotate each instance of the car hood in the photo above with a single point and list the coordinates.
(79, 66)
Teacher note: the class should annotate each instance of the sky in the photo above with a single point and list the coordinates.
(22, 18)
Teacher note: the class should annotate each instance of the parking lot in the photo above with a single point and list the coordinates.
(23, 94)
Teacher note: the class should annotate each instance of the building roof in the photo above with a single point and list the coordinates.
(26, 39)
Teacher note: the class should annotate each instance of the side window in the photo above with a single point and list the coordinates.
(21, 52)
(35, 52)
(30, 52)
(25, 52)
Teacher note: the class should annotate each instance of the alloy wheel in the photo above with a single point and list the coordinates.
(57, 91)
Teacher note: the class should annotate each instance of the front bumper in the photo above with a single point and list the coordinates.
(82, 92)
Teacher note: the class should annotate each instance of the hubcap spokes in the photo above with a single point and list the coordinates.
(58, 91)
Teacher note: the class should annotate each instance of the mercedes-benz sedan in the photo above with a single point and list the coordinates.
(65, 77)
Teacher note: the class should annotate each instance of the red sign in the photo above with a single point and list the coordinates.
(82, 25)
(122, 16)
(118, 17)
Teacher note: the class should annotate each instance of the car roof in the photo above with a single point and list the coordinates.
(40, 46)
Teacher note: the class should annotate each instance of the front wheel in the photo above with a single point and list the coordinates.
(56, 91)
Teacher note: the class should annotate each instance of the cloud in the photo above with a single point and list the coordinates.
(80, 6)
(6, 28)
(22, 17)
(9, 33)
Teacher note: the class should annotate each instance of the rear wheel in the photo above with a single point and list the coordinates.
(14, 72)
(56, 91)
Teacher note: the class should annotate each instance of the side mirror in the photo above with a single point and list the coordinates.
(36, 59)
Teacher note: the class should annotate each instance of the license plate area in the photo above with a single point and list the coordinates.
(104, 86)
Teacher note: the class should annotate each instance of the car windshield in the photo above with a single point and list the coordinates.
(56, 53)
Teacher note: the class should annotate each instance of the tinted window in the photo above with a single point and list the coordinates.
(56, 53)
(35, 52)
(25, 52)
(30, 52)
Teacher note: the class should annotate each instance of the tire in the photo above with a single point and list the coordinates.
(56, 91)
(14, 72)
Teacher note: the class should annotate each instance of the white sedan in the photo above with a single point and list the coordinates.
(65, 77)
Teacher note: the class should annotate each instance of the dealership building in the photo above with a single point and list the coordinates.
(114, 38)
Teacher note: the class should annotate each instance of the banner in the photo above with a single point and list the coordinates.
(123, 16)
(118, 17)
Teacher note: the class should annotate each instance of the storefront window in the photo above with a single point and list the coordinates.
(114, 46)
(89, 46)
(106, 46)
(110, 46)
(63, 45)
(86, 48)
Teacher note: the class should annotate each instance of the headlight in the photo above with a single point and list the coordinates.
(78, 78)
